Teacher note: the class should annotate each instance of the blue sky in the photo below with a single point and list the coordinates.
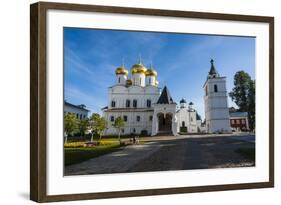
(181, 60)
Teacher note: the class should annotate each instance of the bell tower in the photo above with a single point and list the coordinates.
(215, 101)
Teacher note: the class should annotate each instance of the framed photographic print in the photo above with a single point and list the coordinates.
(135, 102)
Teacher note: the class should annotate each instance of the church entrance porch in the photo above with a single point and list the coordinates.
(164, 123)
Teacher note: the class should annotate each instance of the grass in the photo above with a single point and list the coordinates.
(248, 153)
(75, 152)
(80, 154)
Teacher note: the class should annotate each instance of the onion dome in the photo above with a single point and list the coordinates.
(182, 101)
(129, 82)
(151, 72)
(138, 68)
(191, 103)
(121, 71)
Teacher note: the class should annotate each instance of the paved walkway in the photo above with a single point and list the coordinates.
(116, 162)
(171, 153)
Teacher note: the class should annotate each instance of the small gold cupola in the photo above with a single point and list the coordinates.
(121, 71)
(151, 72)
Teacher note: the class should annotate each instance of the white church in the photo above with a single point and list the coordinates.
(149, 110)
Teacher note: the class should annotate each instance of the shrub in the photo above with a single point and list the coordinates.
(74, 144)
(144, 133)
(183, 129)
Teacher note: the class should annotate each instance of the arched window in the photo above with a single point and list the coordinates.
(215, 88)
(149, 80)
(183, 123)
(128, 102)
(135, 103)
(148, 103)
(138, 118)
(119, 80)
(112, 118)
(140, 81)
(125, 118)
(113, 103)
(206, 90)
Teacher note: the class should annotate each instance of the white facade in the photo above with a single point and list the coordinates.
(187, 119)
(79, 111)
(134, 105)
(142, 105)
(215, 102)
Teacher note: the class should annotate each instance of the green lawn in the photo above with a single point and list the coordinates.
(248, 153)
(75, 152)
(80, 154)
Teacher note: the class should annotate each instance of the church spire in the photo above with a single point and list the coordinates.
(213, 72)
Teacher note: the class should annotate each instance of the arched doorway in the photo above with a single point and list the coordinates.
(165, 123)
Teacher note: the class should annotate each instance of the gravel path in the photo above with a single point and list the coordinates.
(178, 153)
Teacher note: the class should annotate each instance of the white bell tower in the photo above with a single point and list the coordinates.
(216, 105)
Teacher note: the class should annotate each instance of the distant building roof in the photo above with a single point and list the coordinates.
(238, 114)
(165, 97)
(81, 107)
(105, 108)
(182, 100)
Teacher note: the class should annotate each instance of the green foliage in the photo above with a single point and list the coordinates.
(252, 104)
(70, 123)
(183, 129)
(83, 125)
(243, 94)
(74, 144)
(240, 91)
(77, 155)
(97, 124)
(119, 124)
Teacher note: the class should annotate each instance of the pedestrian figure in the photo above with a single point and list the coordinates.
(134, 139)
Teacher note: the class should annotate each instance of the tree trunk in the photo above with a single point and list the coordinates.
(92, 137)
(119, 136)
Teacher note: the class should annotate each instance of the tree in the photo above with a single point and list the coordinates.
(97, 124)
(119, 124)
(252, 105)
(240, 91)
(243, 94)
(83, 126)
(70, 124)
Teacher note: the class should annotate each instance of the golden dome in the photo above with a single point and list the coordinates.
(151, 72)
(138, 68)
(129, 82)
(121, 71)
